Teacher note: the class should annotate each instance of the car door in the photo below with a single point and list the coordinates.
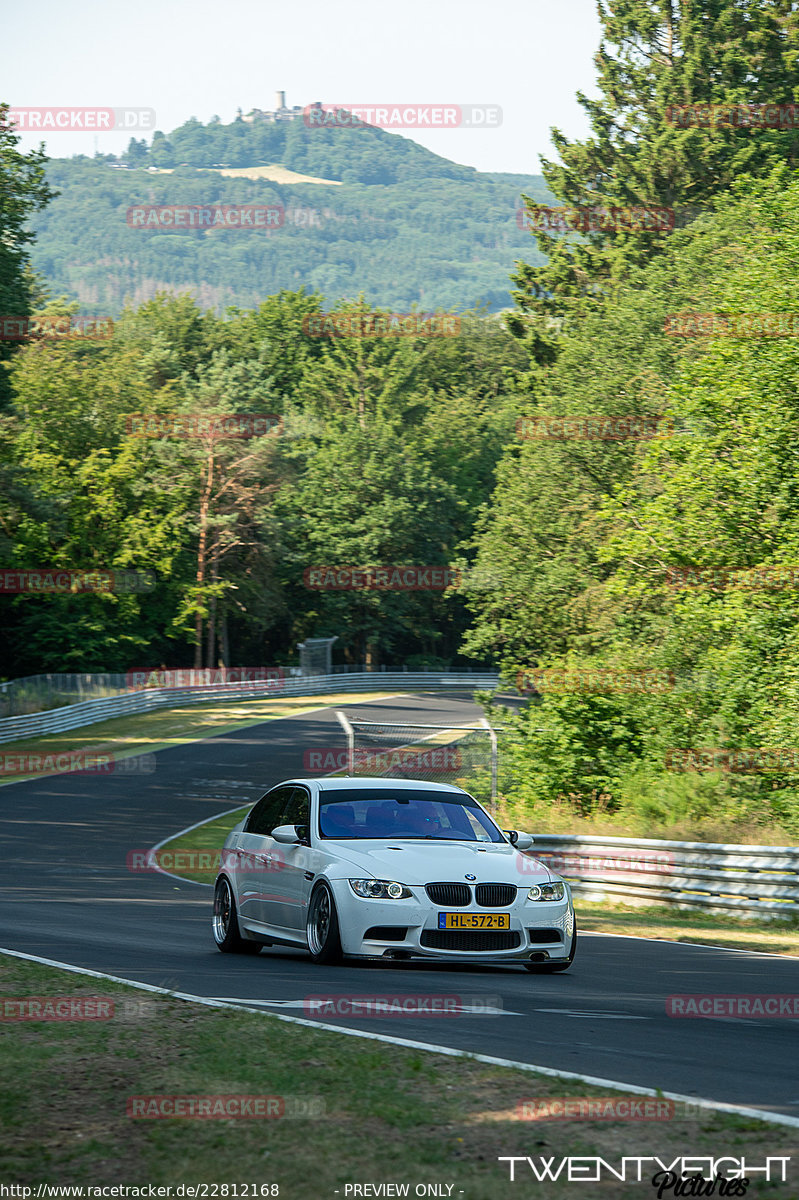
(294, 886)
(256, 876)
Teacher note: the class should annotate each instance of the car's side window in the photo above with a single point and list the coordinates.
(297, 811)
(267, 812)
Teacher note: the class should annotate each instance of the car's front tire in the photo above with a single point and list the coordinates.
(322, 929)
(225, 923)
(552, 968)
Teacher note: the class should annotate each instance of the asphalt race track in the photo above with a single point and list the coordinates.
(66, 894)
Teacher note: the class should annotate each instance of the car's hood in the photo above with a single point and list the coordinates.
(421, 861)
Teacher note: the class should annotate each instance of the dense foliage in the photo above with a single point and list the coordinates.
(407, 450)
(386, 450)
(403, 225)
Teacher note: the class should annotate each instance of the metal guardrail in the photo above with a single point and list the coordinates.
(38, 693)
(756, 881)
(90, 712)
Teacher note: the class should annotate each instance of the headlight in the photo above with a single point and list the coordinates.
(380, 889)
(546, 891)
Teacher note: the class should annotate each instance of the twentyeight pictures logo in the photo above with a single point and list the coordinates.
(70, 119)
(639, 1169)
(402, 116)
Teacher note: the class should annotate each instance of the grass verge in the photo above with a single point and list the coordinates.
(389, 1114)
(732, 933)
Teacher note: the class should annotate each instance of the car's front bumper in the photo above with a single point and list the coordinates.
(540, 931)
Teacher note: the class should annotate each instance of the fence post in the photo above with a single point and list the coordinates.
(494, 761)
(350, 732)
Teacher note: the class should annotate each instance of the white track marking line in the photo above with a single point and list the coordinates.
(598, 1016)
(391, 1009)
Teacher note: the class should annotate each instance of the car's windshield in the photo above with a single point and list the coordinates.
(381, 813)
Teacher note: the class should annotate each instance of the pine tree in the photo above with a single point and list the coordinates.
(654, 59)
(23, 191)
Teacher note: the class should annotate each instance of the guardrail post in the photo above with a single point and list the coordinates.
(350, 732)
(494, 761)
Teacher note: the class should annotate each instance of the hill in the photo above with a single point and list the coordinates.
(384, 216)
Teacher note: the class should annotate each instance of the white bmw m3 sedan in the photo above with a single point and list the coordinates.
(389, 869)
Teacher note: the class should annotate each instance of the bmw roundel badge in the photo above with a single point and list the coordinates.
(470, 877)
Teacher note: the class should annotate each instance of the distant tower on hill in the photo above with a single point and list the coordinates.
(281, 112)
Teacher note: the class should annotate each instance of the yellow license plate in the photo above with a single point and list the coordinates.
(474, 920)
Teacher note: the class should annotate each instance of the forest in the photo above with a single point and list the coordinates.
(397, 223)
(609, 469)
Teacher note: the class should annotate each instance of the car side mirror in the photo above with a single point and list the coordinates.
(287, 835)
(522, 841)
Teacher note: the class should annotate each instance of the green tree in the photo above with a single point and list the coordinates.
(600, 526)
(654, 56)
(23, 191)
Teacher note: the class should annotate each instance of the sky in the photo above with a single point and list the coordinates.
(203, 58)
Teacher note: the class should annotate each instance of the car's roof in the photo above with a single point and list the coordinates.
(351, 783)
